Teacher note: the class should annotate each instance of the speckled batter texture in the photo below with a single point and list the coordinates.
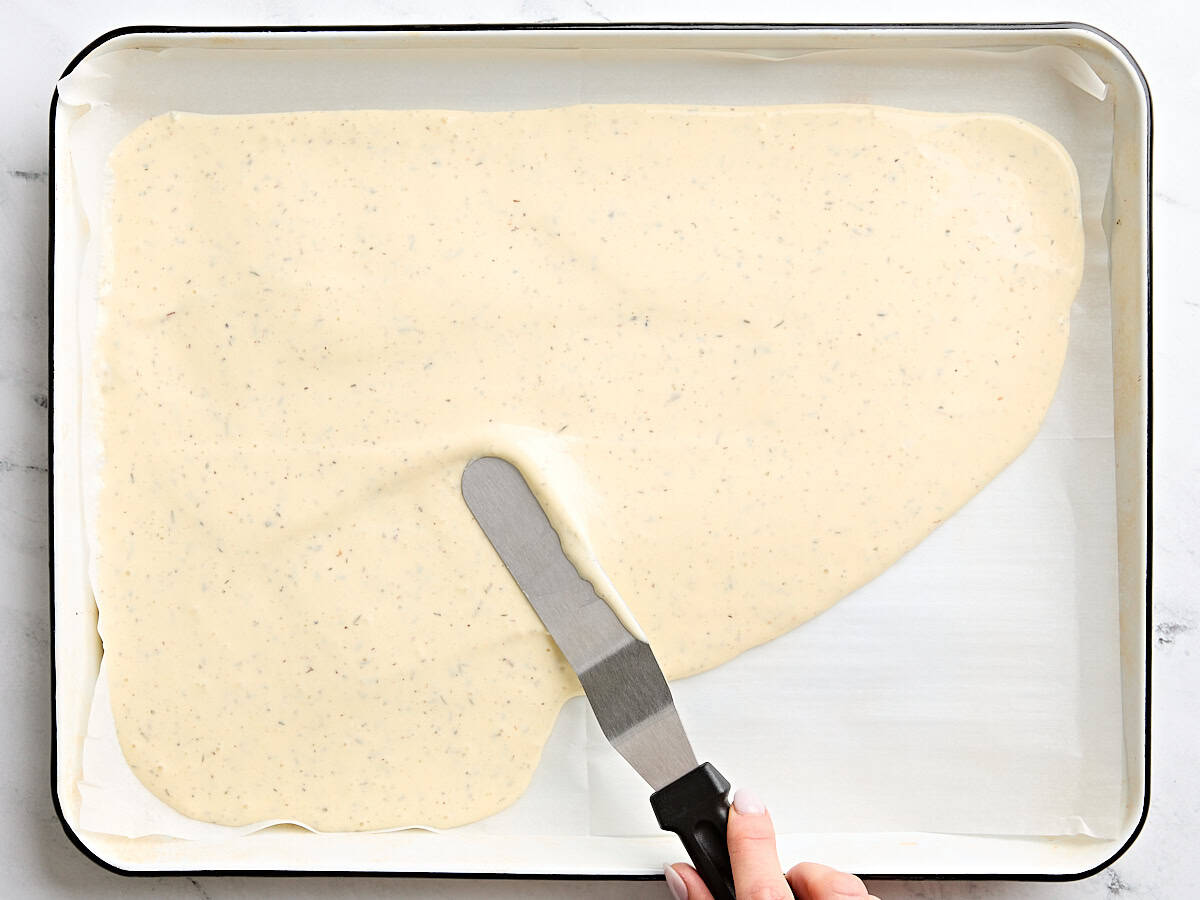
(747, 357)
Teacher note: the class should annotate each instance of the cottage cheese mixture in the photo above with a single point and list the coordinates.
(747, 357)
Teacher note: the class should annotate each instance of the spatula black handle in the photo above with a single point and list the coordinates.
(696, 807)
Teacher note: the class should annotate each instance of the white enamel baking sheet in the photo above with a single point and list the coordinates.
(881, 735)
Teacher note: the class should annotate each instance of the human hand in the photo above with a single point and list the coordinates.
(756, 870)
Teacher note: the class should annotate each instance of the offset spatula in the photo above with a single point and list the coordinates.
(619, 673)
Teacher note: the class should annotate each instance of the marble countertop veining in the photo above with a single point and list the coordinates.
(38, 39)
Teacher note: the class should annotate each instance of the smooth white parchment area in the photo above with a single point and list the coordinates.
(971, 689)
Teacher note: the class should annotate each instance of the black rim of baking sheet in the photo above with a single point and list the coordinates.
(612, 26)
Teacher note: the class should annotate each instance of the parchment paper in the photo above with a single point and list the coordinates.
(971, 689)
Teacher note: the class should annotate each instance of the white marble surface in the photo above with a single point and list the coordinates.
(38, 38)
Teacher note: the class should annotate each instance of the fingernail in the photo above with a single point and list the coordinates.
(675, 883)
(746, 802)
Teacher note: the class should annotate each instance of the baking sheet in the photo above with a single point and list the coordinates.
(974, 687)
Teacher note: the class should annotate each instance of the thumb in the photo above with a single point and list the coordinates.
(751, 836)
